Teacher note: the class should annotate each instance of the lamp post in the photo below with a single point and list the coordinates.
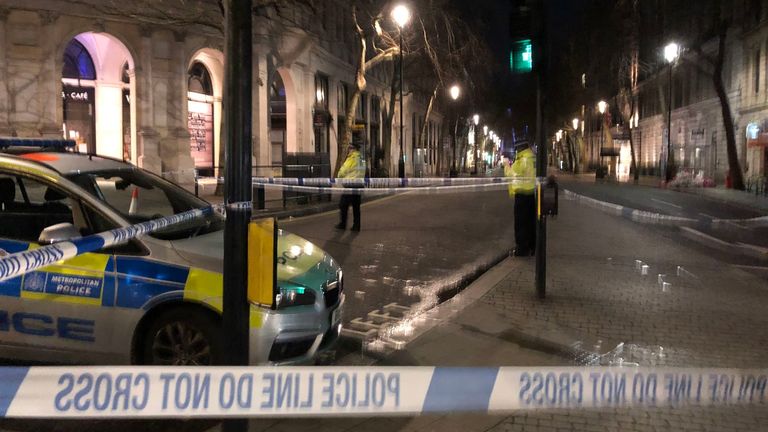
(574, 153)
(671, 52)
(601, 106)
(401, 15)
(455, 92)
(476, 121)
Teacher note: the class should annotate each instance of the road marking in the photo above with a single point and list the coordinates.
(707, 216)
(667, 203)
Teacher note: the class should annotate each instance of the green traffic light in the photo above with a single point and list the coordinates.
(521, 57)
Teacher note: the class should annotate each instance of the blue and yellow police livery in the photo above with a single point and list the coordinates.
(156, 299)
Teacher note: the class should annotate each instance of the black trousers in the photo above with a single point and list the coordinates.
(525, 222)
(344, 203)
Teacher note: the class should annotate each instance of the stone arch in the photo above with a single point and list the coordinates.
(213, 61)
(109, 96)
(291, 144)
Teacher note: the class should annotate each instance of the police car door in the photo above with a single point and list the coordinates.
(59, 313)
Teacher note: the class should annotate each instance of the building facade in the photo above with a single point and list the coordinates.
(698, 140)
(149, 90)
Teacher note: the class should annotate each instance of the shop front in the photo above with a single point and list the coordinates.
(80, 117)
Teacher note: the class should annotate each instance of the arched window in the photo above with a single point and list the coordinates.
(200, 79)
(125, 76)
(77, 62)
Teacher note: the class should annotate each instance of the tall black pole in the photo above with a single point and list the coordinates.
(602, 136)
(477, 145)
(667, 170)
(541, 157)
(401, 162)
(453, 164)
(237, 127)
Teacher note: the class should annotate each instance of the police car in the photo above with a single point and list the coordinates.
(154, 300)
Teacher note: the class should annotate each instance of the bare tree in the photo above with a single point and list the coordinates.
(628, 69)
(384, 48)
(448, 49)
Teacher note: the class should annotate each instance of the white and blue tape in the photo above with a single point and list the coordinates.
(386, 186)
(23, 262)
(362, 189)
(142, 392)
(379, 186)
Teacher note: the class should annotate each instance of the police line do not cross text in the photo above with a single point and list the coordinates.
(140, 392)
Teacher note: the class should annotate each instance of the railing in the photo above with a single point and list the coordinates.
(758, 185)
(259, 196)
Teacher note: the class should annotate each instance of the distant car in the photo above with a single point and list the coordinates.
(156, 299)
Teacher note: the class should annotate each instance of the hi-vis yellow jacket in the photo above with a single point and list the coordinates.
(353, 167)
(523, 168)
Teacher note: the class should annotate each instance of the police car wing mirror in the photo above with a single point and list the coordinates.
(64, 231)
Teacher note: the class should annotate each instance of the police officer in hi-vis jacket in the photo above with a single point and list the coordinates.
(353, 168)
(522, 190)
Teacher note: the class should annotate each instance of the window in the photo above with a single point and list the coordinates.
(321, 91)
(140, 197)
(28, 206)
(375, 109)
(343, 99)
(361, 113)
(756, 71)
(77, 62)
(199, 80)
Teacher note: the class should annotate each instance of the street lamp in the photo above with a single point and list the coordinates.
(671, 53)
(575, 123)
(476, 121)
(455, 92)
(401, 15)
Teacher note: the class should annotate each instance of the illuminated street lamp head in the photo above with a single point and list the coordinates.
(601, 106)
(476, 119)
(671, 51)
(455, 91)
(559, 134)
(485, 130)
(575, 124)
(401, 15)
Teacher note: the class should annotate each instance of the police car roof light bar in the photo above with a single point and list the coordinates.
(45, 143)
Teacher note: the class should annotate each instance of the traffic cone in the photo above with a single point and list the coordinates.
(134, 207)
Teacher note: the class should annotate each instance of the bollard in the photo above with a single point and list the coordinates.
(259, 197)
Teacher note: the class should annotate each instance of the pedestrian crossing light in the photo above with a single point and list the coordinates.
(521, 57)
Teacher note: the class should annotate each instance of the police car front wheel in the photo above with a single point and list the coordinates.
(182, 337)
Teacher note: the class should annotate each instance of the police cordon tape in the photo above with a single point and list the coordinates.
(154, 392)
(385, 186)
(370, 181)
(20, 263)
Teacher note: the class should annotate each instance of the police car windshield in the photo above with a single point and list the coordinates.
(139, 196)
